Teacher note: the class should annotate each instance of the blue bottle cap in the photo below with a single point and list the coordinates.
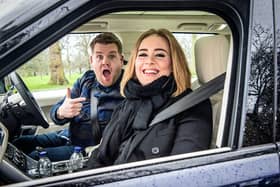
(77, 148)
(43, 153)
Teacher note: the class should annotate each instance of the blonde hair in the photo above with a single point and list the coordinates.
(180, 67)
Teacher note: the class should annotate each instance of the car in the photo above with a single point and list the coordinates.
(233, 48)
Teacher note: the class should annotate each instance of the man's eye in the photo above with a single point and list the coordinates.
(99, 57)
(112, 56)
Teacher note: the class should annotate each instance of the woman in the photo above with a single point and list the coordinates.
(156, 76)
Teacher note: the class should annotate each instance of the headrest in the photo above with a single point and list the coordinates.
(211, 56)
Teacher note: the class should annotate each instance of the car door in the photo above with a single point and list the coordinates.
(248, 137)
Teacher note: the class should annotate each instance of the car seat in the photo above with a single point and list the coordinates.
(211, 57)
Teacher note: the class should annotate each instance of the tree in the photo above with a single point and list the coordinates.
(36, 66)
(82, 61)
(66, 47)
(56, 66)
(259, 121)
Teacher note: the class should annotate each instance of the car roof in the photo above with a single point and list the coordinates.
(25, 10)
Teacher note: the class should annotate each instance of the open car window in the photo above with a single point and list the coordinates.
(69, 55)
(189, 28)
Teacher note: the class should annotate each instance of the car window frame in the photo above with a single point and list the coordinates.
(72, 21)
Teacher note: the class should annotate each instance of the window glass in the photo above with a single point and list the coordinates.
(277, 21)
(259, 117)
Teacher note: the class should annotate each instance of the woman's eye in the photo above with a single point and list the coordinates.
(142, 55)
(161, 55)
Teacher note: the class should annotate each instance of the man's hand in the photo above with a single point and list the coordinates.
(70, 107)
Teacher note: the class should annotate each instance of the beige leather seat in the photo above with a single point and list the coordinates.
(211, 57)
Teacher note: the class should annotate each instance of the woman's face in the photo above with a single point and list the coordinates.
(153, 59)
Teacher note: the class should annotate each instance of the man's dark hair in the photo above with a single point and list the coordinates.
(106, 38)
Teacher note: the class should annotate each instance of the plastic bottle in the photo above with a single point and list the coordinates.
(76, 159)
(44, 165)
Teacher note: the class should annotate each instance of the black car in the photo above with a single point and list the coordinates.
(233, 47)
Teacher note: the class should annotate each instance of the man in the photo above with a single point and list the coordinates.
(97, 88)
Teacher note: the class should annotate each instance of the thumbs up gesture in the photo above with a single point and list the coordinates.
(70, 107)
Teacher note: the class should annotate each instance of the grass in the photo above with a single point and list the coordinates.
(40, 83)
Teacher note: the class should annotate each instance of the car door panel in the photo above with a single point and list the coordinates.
(222, 167)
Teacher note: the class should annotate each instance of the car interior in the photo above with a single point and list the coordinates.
(211, 58)
(26, 112)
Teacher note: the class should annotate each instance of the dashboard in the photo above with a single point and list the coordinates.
(23, 166)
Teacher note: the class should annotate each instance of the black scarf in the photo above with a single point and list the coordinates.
(142, 103)
(149, 98)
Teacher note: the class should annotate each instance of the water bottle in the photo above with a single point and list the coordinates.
(44, 165)
(76, 159)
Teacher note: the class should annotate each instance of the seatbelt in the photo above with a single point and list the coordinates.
(188, 101)
(96, 129)
(93, 106)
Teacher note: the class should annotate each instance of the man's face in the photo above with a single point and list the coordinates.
(107, 63)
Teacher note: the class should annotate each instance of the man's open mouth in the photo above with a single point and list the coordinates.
(106, 73)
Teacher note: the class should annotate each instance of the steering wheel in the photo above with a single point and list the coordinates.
(32, 105)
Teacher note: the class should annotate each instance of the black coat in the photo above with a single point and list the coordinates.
(186, 132)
